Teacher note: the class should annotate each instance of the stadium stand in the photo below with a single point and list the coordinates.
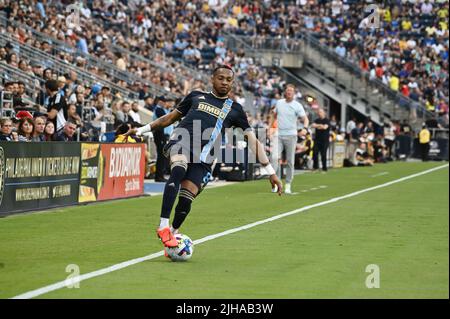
(149, 48)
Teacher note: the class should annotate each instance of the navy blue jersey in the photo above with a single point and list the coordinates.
(201, 112)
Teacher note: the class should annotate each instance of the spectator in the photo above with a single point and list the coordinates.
(61, 85)
(81, 43)
(134, 112)
(321, 140)
(25, 129)
(57, 106)
(304, 150)
(13, 88)
(394, 83)
(406, 128)
(78, 99)
(20, 95)
(107, 96)
(379, 151)
(122, 137)
(148, 100)
(49, 131)
(67, 133)
(362, 157)
(443, 120)
(6, 133)
(73, 115)
(389, 138)
(340, 50)
(124, 116)
(357, 132)
(334, 125)
(424, 141)
(121, 62)
(351, 124)
(39, 127)
(161, 137)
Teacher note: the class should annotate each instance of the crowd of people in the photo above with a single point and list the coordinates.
(407, 53)
(151, 32)
(407, 50)
(101, 25)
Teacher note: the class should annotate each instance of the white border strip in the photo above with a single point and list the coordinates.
(74, 280)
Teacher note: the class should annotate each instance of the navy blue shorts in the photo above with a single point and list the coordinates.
(199, 174)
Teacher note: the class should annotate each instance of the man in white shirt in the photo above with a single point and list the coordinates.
(286, 112)
(350, 126)
(134, 112)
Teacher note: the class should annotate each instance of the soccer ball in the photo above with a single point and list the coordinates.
(183, 251)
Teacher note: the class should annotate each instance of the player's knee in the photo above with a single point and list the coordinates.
(178, 169)
(178, 160)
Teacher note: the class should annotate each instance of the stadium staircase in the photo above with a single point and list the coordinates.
(336, 77)
(268, 59)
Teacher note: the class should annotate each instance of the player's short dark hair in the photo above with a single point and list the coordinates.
(52, 85)
(222, 66)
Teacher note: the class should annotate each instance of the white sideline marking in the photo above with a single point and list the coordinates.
(62, 284)
(380, 174)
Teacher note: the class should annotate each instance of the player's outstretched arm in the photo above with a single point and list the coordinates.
(157, 124)
(257, 148)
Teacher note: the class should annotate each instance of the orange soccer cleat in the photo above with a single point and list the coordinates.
(167, 238)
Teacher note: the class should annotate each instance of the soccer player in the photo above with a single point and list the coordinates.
(190, 165)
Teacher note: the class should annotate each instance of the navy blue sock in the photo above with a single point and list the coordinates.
(171, 190)
(183, 207)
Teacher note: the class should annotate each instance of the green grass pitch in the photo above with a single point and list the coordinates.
(320, 253)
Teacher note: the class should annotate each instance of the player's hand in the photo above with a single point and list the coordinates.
(275, 181)
(131, 131)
